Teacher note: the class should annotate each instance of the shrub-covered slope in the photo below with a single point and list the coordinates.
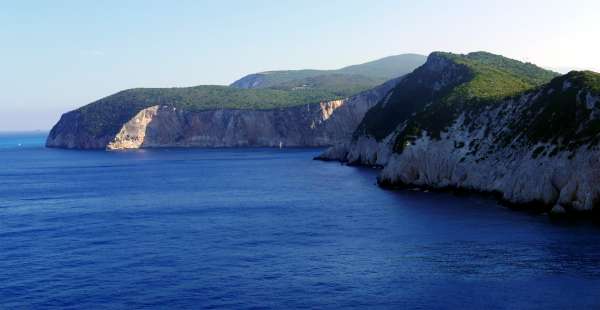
(539, 148)
(486, 123)
(443, 87)
(341, 85)
(106, 115)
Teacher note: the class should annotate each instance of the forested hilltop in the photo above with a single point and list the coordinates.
(377, 72)
(468, 81)
(482, 122)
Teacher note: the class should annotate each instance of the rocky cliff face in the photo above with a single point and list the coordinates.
(472, 155)
(538, 148)
(310, 125)
(372, 143)
(68, 134)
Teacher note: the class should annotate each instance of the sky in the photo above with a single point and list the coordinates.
(56, 56)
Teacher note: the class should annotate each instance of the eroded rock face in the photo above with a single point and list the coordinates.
(566, 179)
(68, 133)
(469, 155)
(133, 133)
(540, 147)
(311, 125)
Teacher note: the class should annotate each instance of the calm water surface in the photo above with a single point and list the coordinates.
(266, 228)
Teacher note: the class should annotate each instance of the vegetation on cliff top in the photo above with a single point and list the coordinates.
(106, 114)
(431, 97)
(495, 77)
(562, 113)
(341, 85)
(587, 80)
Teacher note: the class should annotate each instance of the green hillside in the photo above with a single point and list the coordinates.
(388, 67)
(379, 70)
(466, 80)
(342, 85)
(560, 115)
(495, 76)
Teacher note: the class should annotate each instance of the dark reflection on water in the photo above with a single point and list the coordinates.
(268, 228)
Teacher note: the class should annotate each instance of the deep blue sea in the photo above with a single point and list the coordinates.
(267, 228)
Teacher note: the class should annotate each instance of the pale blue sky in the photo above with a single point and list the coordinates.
(58, 55)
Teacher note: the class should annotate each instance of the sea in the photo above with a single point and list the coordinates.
(263, 228)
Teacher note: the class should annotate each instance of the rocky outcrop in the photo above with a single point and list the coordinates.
(310, 125)
(539, 149)
(67, 133)
(363, 151)
(133, 134)
(468, 156)
(374, 149)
